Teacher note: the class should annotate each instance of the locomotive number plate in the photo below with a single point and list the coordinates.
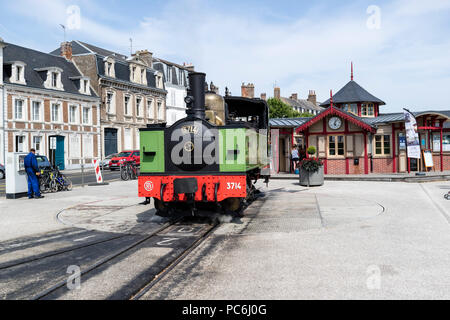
(190, 129)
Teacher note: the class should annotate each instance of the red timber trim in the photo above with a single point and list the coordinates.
(366, 156)
(394, 163)
(325, 162)
(359, 109)
(409, 165)
(347, 160)
(233, 186)
(339, 112)
(441, 122)
(377, 110)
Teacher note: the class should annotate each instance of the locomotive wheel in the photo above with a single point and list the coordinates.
(161, 210)
(232, 204)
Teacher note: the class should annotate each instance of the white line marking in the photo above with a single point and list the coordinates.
(82, 239)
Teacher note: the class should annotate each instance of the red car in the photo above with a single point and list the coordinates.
(125, 156)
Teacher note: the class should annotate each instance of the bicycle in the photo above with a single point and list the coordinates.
(61, 182)
(45, 180)
(129, 170)
(447, 196)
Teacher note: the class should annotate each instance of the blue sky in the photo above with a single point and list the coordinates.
(400, 48)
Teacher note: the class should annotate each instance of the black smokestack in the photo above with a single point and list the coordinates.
(195, 99)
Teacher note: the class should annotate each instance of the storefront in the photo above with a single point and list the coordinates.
(353, 137)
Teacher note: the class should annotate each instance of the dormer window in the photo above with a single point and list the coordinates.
(133, 72)
(17, 72)
(53, 76)
(109, 67)
(143, 76)
(54, 79)
(159, 83)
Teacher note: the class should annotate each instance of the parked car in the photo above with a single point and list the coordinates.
(43, 162)
(125, 156)
(105, 162)
(2, 171)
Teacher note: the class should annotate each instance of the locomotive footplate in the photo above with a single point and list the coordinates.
(205, 188)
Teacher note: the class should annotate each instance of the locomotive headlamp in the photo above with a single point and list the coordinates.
(189, 100)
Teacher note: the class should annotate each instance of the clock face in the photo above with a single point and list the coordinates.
(335, 123)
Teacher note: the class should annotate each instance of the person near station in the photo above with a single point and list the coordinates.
(32, 170)
(294, 156)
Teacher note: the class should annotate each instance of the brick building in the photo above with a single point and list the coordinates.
(47, 104)
(352, 136)
(132, 92)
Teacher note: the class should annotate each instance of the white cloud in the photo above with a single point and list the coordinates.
(405, 62)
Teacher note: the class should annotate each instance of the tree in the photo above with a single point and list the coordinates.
(306, 115)
(279, 109)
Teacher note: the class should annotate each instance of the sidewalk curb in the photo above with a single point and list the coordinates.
(375, 179)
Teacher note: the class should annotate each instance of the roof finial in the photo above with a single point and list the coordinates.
(351, 78)
(331, 98)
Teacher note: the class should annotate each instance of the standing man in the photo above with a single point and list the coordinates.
(32, 169)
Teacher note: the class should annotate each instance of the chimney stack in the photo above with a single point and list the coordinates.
(145, 56)
(66, 50)
(263, 96)
(248, 90)
(294, 96)
(189, 66)
(312, 97)
(276, 93)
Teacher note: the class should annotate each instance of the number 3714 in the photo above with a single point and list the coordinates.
(234, 186)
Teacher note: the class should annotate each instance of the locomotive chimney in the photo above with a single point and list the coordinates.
(195, 99)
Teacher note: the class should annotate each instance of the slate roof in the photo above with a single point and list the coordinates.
(287, 122)
(301, 103)
(37, 60)
(121, 67)
(353, 92)
(158, 65)
(399, 116)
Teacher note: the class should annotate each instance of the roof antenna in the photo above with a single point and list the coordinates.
(351, 78)
(331, 98)
(64, 28)
(131, 46)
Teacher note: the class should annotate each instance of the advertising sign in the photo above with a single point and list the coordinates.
(412, 137)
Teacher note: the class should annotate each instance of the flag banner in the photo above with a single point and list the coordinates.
(412, 137)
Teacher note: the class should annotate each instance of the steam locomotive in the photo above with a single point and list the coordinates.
(209, 159)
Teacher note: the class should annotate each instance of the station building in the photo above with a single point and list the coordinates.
(352, 136)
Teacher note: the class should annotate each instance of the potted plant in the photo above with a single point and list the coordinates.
(311, 170)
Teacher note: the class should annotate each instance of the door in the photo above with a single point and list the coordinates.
(59, 153)
(110, 141)
(282, 155)
(56, 151)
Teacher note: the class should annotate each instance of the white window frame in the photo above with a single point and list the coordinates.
(16, 77)
(110, 72)
(24, 143)
(41, 148)
(89, 122)
(24, 108)
(138, 107)
(150, 108)
(126, 106)
(112, 105)
(77, 113)
(160, 110)
(41, 103)
(60, 115)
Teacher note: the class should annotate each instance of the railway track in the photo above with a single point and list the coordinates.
(31, 274)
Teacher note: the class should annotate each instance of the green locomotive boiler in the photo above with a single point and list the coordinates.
(211, 158)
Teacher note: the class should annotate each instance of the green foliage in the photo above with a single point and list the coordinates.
(311, 164)
(306, 115)
(311, 150)
(279, 109)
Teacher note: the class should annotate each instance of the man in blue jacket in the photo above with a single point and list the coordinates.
(32, 169)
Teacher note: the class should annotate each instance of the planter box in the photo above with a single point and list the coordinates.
(315, 178)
